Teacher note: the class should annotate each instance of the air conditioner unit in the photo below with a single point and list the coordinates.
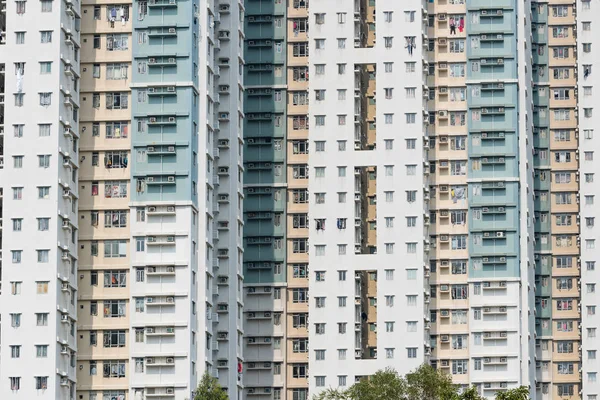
(152, 60)
(170, 299)
(152, 209)
(64, 318)
(502, 309)
(443, 113)
(152, 120)
(487, 360)
(170, 239)
(444, 263)
(150, 360)
(171, 89)
(170, 329)
(150, 90)
(65, 287)
(149, 330)
(503, 360)
(171, 60)
(503, 334)
(151, 239)
(171, 149)
(170, 360)
(445, 363)
(443, 89)
(500, 234)
(170, 179)
(502, 284)
(170, 390)
(444, 288)
(171, 209)
(442, 41)
(445, 313)
(149, 299)
(172, 119)
(444, 338)
(170, 269)
(444, 238)
(172, 30)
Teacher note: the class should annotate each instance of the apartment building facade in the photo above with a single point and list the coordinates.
(197, 203)
(40, 51)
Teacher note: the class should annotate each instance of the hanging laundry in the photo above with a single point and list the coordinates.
(452, 26)
(461, 25)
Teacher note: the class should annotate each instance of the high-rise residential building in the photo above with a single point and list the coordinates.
(160, 214)
(40, 56)
(105, 278)
(150, 288)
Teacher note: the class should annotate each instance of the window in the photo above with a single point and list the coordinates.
(117, 42)
(459, 367)
(115, 248)
(46, 36)
(114, 308)
(41, 319)
(45, 99)
(41, 351)
(114, 338)
(20, 38)
(15, 382)
(15, 351)
(45, 68)
(411, 352)
(15, 320)
(389, 353)
(113, 369)
(16, 256)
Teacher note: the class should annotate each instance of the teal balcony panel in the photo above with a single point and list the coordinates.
(261, 199)
(539, 13)
(541, 181)
(489, 266)
(543, 328)
(492, 45)
(492, 144)
(263, 224)
(541, 245)
(262, 173)
(264, 152)
(265, 128)
(500, 193)
(540, 139)
(540, 35)
(542, 203)
(506, 5)
(492, 94)
(540, 117)
(493, 118)
(494, 217)
(491, 18)
(263, 251)
(543, 312)
(542, 226)
(491, 167)
(540, 162)
(492, 69)
(543, 268)
(490, 242)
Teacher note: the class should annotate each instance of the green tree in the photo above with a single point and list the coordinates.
(427, 383)
(470, 394)
(209, 389)
(520, 393)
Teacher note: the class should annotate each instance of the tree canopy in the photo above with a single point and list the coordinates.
(424, 383)
(209, 389)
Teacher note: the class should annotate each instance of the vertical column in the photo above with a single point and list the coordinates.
(588, 16)
(448, 144)
(164, 307)
(40, 58)
(265, 133)
(368, 241)
(104, 252)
